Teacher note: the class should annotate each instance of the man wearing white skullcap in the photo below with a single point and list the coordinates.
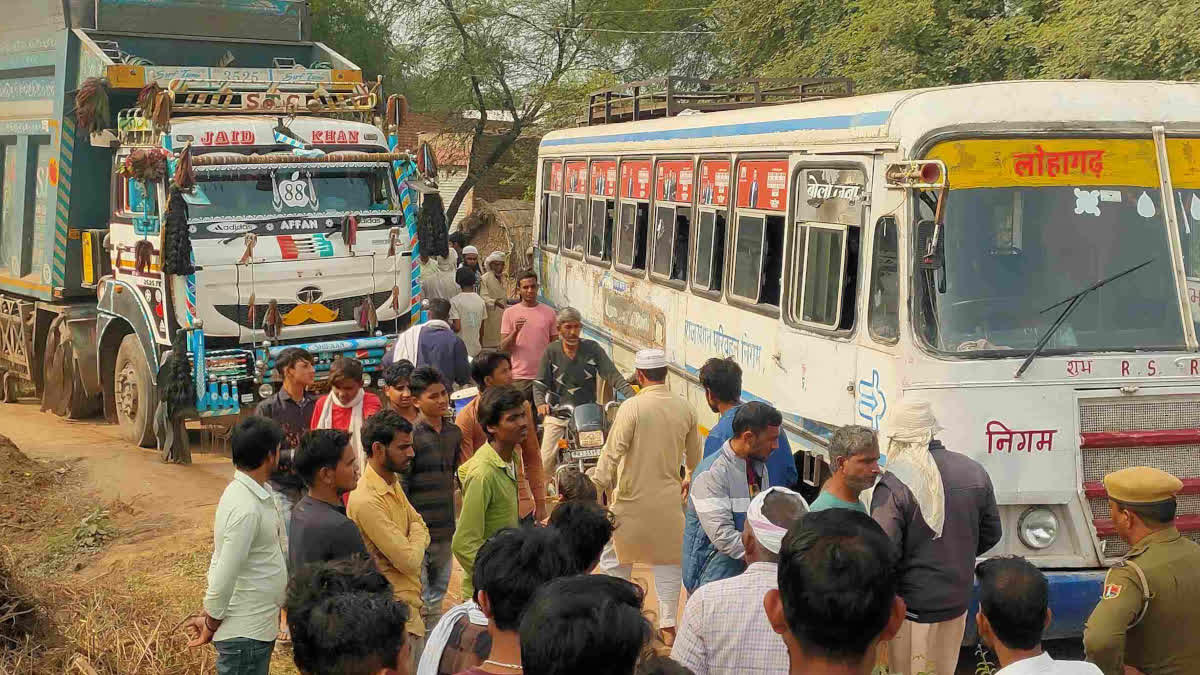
(653, 444)
(940, 511)
(725, 630)
(494, 293)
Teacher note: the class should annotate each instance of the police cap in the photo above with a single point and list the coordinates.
(1141, 485)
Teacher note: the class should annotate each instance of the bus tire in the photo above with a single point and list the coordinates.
(133, 393)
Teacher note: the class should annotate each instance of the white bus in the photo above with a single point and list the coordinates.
(851, 252)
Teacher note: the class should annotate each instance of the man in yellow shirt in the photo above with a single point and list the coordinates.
(395, 535)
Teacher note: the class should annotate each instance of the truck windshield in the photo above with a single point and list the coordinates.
(1017, 240)
(285, 191)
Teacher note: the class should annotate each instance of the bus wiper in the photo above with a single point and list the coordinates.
(1073, 301)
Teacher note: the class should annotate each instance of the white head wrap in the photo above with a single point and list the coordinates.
(494, 256)
(768, 534)
(908, 458)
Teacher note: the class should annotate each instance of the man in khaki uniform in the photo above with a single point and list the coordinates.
(654, 437)
(1148, 614)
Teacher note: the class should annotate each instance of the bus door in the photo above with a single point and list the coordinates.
(822, 279)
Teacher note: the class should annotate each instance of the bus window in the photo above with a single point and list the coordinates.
(574, 224)
(602, 187)
(634, 214)
(758, 258)
(551, 202)
(762, 188)
(710, 250)
(574, 228)
(672, 226)
(829, 213)
(883, 306)
(601, 236)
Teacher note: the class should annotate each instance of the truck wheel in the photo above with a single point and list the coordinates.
(63, 393)
(10, 387)
(133, 393)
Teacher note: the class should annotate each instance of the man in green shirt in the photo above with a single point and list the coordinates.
(854, 461)
(489, 478)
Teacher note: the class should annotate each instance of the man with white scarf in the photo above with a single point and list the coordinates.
(939, 508)
(347, 405)
(725, 630)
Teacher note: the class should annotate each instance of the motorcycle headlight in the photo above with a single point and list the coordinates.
(366, 379)
(1038, 528)
(265, 390)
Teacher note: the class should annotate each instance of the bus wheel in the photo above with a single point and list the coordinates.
(133, 393)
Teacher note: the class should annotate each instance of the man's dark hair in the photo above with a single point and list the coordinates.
(343, 619)
(513, 564)
(319, 449)
(526, 274)
(397, 372)
(838, 581)
(1157, 513)
(465, 277)
(589, 624)
(575, 486)
(486, 362)
(458, 238)
(496, 401)
(423, 378)
(253, 440)
(755, 416)
(723, 379)
(288, 357)
(439, 308)
(662, 665)
(655, 374)
(382, 427)
(345, 368)
(586, 528)
(1014, 595)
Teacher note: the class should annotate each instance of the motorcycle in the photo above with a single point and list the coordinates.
(586, 432)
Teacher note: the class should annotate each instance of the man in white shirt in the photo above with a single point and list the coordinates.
(725, 630)
(1013, 612)
(470, 309)
(247, 577)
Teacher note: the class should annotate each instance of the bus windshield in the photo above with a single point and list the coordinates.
(1017, 241)
(285, 191)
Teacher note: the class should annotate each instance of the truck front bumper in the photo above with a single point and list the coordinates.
(1073, 596)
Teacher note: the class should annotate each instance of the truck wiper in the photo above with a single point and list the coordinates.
(1073, 301)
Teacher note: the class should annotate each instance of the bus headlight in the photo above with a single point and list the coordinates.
(1038, 528)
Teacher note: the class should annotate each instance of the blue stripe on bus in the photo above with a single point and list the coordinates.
(747, 129)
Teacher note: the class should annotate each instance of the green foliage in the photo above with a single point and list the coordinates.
(93, 530)
(897, 44)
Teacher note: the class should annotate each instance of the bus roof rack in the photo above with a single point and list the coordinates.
(669, 96)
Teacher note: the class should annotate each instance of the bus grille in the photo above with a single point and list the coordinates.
(1158, 431)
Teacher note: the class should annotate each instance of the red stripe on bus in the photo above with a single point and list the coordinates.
(1138, 439)
(1095, 489)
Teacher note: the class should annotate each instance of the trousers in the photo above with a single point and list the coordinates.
(668, 579)
(553, 429)
(927, 647)
(243, 656)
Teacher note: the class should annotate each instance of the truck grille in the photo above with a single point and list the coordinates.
(345, 307)
(1171, 443)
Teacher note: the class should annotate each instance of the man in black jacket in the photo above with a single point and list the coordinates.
(939, 509)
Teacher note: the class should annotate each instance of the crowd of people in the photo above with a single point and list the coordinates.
(348, 512)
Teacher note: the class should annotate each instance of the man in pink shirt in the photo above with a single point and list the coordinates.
(525, 331)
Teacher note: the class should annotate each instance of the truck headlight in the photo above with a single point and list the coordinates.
(1038, 528)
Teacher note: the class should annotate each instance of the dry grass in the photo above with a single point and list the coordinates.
(95, 588)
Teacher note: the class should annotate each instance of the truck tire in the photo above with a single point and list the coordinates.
(134, 393)
(10, 387)
(63, 392)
